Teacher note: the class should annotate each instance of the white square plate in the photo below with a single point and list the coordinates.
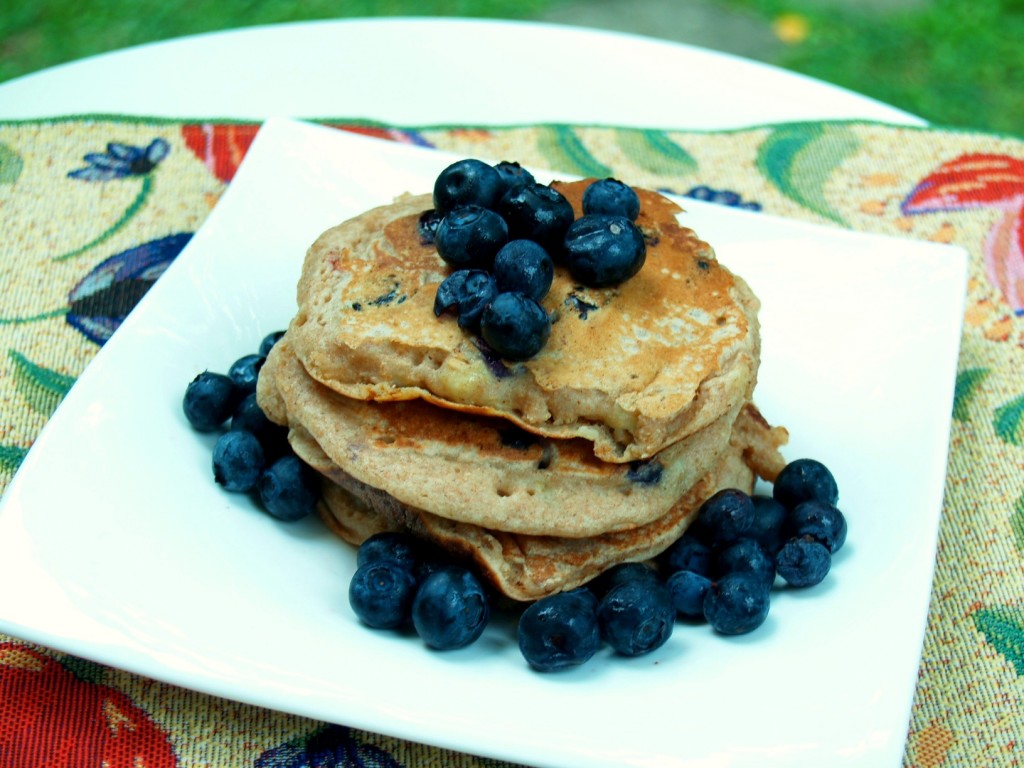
(128, 554)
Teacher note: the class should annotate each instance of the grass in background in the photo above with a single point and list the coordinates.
(47, 32)
(953, 62)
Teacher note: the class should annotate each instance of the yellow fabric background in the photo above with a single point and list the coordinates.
(967, 710)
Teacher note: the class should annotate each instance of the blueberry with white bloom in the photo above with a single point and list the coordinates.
(210, 400)
(612, 197)
(245, 372)
(237, 460)
(450, 609)
(289, 488)
(688, 590)
(803, 561)
(802, 480)
(602, 250)
(736, 604)
(636, 617)
(559, 631)
(824, 522)
(381, 593)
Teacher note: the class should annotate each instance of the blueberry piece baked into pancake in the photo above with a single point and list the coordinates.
(482, 469)
(539, 378)
(631, 367)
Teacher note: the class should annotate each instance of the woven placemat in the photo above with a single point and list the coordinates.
(94, 208)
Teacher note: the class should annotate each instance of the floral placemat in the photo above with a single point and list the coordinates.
(94, 208)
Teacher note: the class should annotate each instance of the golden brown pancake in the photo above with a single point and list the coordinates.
(632, 369)
(483, 470)
(526, 567)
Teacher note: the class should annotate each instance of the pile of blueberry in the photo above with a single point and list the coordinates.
(503, 233)
(399, 580)
(721, 571)
(723, 568)
(252, 455)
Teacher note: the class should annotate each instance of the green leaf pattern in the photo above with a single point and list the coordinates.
(1003, 627)
(11, 165)
(1008, 422)
(11, 457)
(654, 152)
(564, 151)
(800, 159)
(42, 387)
(967, 383)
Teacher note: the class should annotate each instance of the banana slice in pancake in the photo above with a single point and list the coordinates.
(631, 369)
(483, 470)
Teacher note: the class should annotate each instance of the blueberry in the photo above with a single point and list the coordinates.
(559, 631)
(701, 192)
(621, 573)
(245, 371)
(822, 521)
(746, 555)
(210, 399)
(612, 197)
(468, 292)
(636, 617)
(514, 326)
(427, 226)
(803, 480)
(602, 250)
(513, 175)
(722, 197)
(269, 341)
(537, 212)
(450, 609)
(237, 461)
(688, 590)
(803, 562)
(769, 518)
(430, 560)
(523, 266)
(645, 472)
(381, 593)
(249, 417)
(467, 182)
(289, 488)
(736, 604)
(390, 545)
(724, 517)
(469, 236)
(687, 553)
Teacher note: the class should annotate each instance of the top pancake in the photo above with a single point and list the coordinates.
(631, 368)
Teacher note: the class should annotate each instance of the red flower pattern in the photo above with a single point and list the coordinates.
(983, 181)
(50, 717)
(221, 146)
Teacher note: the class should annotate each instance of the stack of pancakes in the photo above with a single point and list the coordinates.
(598, 450)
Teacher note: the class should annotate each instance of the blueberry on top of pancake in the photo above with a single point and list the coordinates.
(651, 360)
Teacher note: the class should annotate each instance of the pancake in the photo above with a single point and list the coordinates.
(632, 369)
(483, 470)
(520, 566)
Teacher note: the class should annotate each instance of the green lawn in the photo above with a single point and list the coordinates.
(954, 62)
